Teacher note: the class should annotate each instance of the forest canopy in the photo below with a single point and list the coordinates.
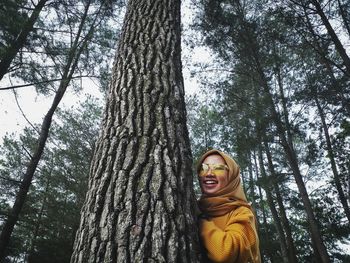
(273, 93)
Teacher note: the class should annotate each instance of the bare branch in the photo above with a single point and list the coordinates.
(24, 116)
(44, 81)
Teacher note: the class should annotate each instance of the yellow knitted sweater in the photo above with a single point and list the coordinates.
(231, 237)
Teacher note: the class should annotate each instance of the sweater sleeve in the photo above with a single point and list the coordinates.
(234, 243)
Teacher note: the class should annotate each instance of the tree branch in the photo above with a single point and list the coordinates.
(44, 81)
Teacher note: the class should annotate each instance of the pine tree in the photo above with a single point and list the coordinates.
(140, 203)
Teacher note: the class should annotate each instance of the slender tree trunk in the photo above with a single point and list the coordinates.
(251, 180)
(338, 45)
(289, 149)
(322, 54)
(38, 223)
(69, 69)
(331, 157)
(344, 15)
(283, 215)
(140, 203)
(294, 165)
(276, 219)
(284, 106)
(20, 40)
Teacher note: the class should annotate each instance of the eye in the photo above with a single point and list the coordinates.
(205, 167)
(219, 167)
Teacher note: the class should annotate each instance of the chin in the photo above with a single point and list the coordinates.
(210, 191)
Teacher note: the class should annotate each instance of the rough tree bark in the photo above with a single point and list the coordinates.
(140, 203)
(20, 40)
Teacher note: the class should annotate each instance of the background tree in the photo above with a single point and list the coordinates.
(269, 61)
(50, 216)
(76, 54)
(16, 30)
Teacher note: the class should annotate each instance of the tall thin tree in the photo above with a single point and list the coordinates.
(78, 46)
(13, 48)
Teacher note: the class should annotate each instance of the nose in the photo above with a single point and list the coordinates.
(210, 172)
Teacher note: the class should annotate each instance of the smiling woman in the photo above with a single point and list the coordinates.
(227, 225)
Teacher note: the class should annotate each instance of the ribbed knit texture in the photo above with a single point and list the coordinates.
(229, 234)
(231, 238)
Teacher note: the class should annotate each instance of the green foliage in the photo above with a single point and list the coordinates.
(12, 19)
(65, 30)
(280, 47)
(50, 217)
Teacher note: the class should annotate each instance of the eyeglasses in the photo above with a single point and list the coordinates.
(216, 168)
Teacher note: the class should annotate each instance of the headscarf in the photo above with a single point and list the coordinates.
(227, 198)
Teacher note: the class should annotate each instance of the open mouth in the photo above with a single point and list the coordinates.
(210, 182)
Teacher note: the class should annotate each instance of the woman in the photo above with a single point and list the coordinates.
(227, 224)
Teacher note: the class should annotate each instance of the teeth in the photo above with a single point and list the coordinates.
(210, 182)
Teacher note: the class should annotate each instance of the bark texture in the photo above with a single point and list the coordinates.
(140, 203)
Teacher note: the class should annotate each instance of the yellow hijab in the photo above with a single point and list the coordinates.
(229, 197)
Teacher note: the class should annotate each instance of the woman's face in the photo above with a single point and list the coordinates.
(210, 181)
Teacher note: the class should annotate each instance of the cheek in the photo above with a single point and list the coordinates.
(224, 180)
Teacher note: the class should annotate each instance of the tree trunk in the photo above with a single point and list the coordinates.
(283, 215)
(331, 157)
(251, 179)
(344, 15)
(38, 224)
(322, 54)
(294, 165)
(69, 69)
(288, 149)
(293, 162)
(140, 206)
(284, 107)
(276, 219)
(338, 45)
(20, 40)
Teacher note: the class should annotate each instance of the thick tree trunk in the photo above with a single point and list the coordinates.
(69, 69)
(338, 45)
(331, 157)
(292, 253)
(20, 40)
(140, 206)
